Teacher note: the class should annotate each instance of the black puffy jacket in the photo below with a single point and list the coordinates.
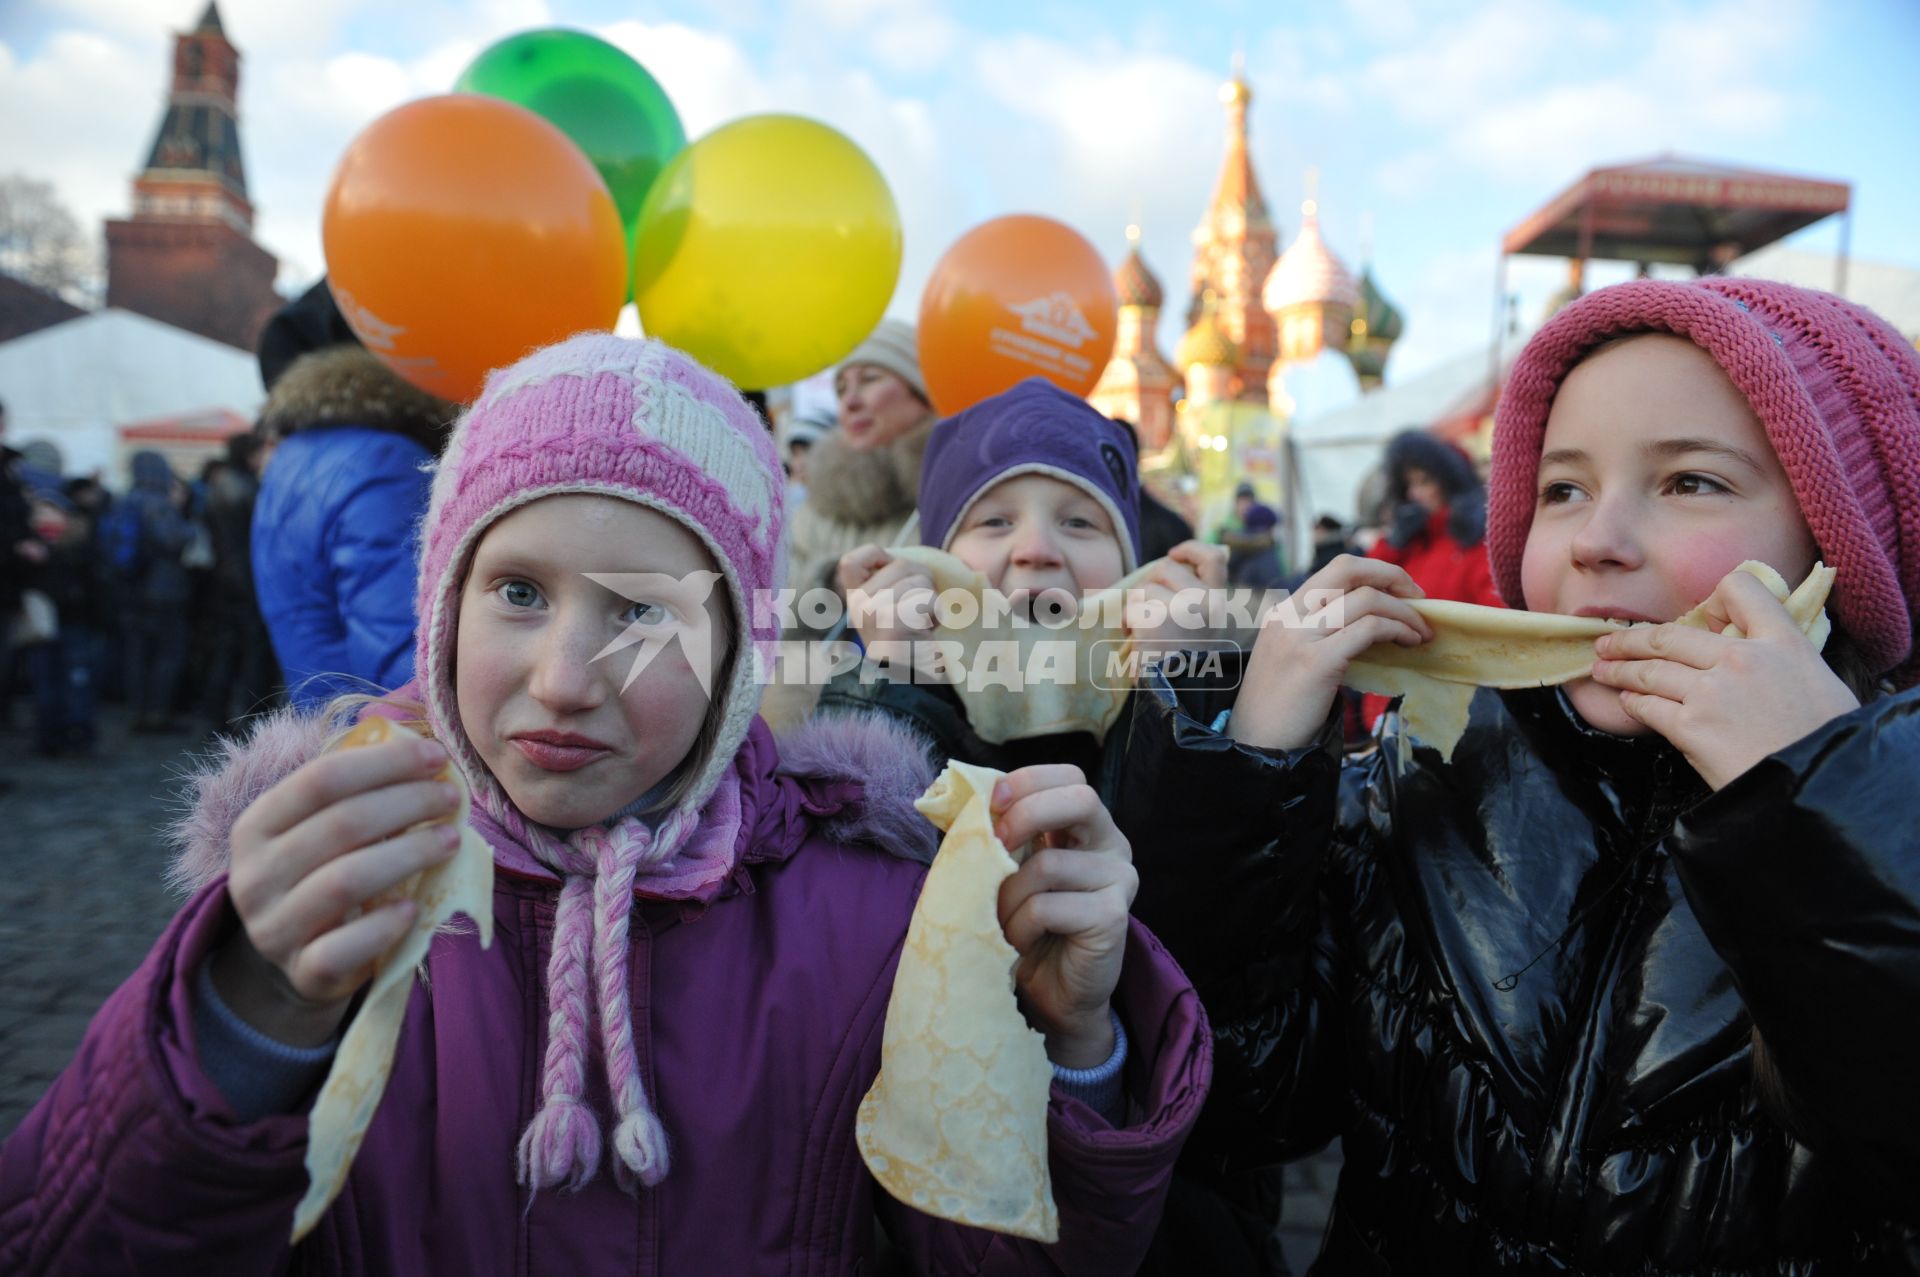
(1523, 987)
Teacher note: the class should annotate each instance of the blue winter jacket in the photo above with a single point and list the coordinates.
(160, 581)
(333, 558)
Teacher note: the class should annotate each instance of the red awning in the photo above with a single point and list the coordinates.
(1675, 210)
(214, 425)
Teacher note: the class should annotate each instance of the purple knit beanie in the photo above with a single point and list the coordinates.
(642, 422)
(1034, 428)
(1835, 387)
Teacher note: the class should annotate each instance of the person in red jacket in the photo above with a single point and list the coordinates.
(1436, 530)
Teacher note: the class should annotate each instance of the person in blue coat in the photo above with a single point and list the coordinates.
(340, 497)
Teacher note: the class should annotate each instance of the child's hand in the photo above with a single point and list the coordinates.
(307, 856)
(1307, 642)
(1190, 568)
(1726, 703)
(1065, 909)
(878, 588)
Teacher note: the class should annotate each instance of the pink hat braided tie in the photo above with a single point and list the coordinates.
(591, 954)
(639, 1141)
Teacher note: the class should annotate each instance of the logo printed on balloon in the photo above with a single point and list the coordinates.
(374, 332)
(1056, 319)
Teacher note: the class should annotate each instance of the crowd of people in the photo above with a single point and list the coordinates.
(1624, 983)
(143, 597)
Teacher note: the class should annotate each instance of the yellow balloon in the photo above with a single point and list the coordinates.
(767, 250)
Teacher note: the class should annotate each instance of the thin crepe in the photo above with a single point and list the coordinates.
(1475, 646)
(358, 1076)
(955, 1125)
(1076, 702)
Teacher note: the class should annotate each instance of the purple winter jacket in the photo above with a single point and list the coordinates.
(758, 1023)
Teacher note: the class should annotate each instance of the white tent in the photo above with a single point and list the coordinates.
(1337, 449)
(78, 382)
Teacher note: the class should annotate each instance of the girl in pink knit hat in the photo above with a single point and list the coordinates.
(1631, 982)
(655, 1066)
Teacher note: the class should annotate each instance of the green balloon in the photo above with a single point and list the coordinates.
(597, 95)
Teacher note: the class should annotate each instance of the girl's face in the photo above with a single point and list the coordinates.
(555, 721)
(1034, 532)
(876, 406)
(1656, 480)
(1425, 489)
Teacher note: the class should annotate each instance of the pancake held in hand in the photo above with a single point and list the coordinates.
(956, 1123)
(358, 1076)
(1074, 698)
(1475, 646)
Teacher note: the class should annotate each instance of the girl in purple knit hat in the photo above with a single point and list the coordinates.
(1631, 982)
(655, 1066)
(1038, 493)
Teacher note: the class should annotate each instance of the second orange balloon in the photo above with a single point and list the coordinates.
(1015, 297)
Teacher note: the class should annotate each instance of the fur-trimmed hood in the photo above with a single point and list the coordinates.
(348, 386)
(861, 488)
(860, 773)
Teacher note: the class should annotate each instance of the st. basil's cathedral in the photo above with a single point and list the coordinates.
(1217, 414)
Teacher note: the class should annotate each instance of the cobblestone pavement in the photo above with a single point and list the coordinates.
(81, 894)
(82, 900)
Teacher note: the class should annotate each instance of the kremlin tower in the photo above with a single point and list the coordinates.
(187, 255)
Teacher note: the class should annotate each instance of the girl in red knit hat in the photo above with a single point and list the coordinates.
(1631, 982)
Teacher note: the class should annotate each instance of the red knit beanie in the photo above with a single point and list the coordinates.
(1838, 391)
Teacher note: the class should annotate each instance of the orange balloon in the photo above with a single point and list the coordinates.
(462, 232)
(1017, 297)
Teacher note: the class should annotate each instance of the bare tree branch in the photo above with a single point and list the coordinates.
(41, 241)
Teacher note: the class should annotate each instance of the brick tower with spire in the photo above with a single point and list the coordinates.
(187, 255)
(1234, 249)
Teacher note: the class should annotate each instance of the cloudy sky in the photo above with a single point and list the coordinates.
(1439, 124)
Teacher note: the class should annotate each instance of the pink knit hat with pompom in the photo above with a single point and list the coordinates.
(639, 421)
(1835, 387)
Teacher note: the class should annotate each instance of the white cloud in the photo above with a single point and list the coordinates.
(916, 42)
(1101, 136)
(708, 77)
(1496, 102)
(70, 122)
(1394, 20)
(1461, 68)
(907, 36)
(1449, 305)
(1287, 69)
